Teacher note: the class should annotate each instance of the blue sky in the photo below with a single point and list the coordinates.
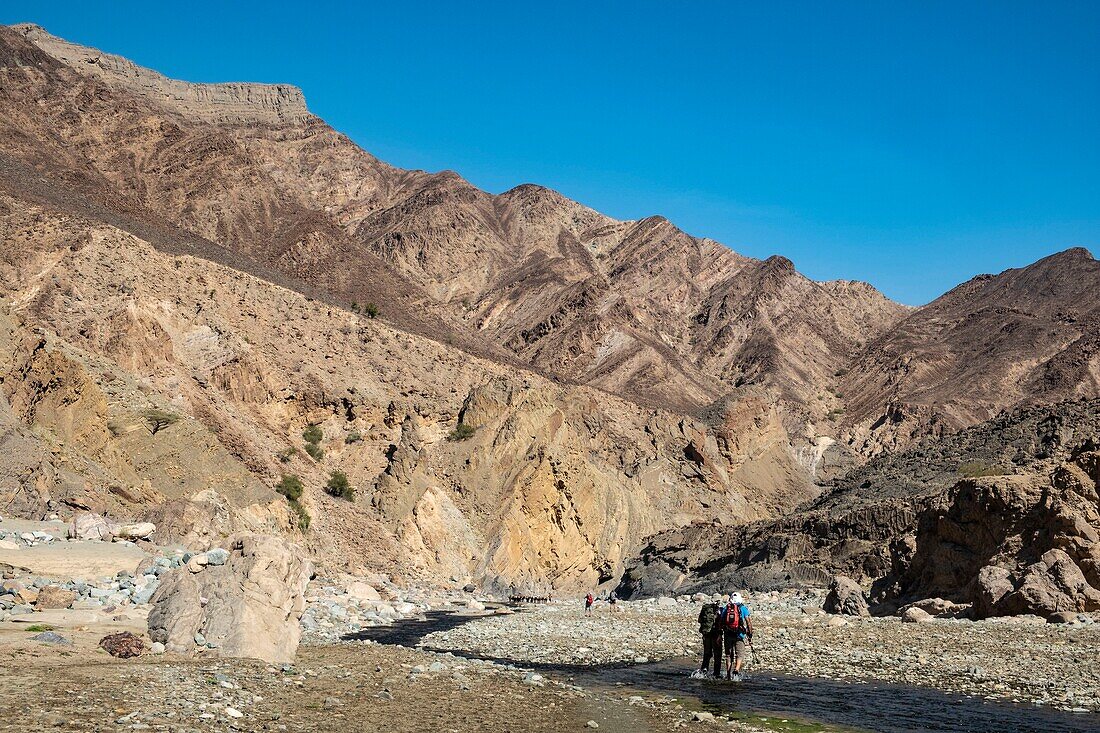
(912, 145)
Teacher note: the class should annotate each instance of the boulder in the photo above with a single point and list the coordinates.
(123, 645)
(846, 597)
(54, 597)
(363, 591)
(91, 526)
(914, 615)
(939, 607)
(249, 607)
(135, 531)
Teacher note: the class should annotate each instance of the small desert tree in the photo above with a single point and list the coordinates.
(159, 419)
(339, 487)
(291, 487)
(462, 431)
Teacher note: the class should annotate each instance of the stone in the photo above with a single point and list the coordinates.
(135, 531)
(666, 601)
(363, 591)
(217, 556)
(846, 597)
(701, 716)
(50, 637)
(54, 597)
(123, 644)
(255, 602)
(914, 615)
(91, 526)
(591, 724)
(1062, 617)
(233, 712)
(156, 648)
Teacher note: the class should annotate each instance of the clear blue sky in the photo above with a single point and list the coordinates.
(912, 145)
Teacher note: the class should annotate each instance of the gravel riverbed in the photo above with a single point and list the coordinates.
(1020, 659)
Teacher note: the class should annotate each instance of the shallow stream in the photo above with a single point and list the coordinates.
(783, 702)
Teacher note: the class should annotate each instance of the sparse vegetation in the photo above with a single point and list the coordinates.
(116, 428)
(286, 455)
(339, 487)
(977, 469)
(353, 437)
(302, 515)
(38, 628)
(313, 435)
(160, 419)
(462, 431)
(291, 487)
(370, 310)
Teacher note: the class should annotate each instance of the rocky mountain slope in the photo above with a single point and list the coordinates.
(554, 485)
(1027, 336)
(640, 309)
(871, 524)
(186, 272)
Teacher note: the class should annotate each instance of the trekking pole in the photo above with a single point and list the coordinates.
(755, 661)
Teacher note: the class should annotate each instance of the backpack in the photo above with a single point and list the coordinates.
(732, 619)
(708, 618)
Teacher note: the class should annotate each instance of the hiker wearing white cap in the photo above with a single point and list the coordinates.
(737, 626)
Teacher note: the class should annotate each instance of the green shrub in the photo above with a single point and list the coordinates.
(353, 437)
(301, 514)
(315, 451)
(462, 431)
(291, 487)
(313, 434)
(36, 628)
(286, 455)
(370, 310)
(339, 487)
(977, 469)
(159, 419)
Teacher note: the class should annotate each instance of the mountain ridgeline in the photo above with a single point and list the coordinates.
(519, 388)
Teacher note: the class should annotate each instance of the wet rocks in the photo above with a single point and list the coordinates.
(846, 597)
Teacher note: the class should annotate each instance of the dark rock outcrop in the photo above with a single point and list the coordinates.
(846, 597)
(1012, 544)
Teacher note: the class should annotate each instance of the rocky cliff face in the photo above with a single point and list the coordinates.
(866, 526)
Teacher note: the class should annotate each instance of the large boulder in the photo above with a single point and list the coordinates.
(91, 526)
(846, 597)
(54, 597)
(250, 606)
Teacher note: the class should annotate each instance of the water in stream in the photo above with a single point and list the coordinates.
(870, 706)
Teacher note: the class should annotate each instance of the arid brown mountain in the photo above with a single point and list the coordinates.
(204, 251)
(1025, 337)
(640, 309)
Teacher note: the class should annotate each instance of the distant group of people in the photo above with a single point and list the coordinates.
(531, 599)
(590, 600)
(725, 624)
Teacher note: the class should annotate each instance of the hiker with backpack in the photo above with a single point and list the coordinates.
(736, 627)
(588, 601)
(710, 627)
